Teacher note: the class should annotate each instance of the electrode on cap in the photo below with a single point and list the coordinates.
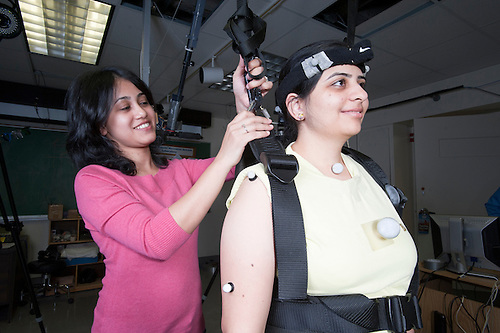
(228, 287)
(388, 228)
(251, 175)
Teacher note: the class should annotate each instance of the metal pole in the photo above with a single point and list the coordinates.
(190, 45)
(146, 42)
(15, 230)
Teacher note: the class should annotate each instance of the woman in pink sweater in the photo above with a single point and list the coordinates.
(142, 210)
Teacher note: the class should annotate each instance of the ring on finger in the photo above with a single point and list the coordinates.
(245, 128)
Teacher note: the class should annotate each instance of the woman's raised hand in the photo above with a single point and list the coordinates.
(240, 87)
(244, 128)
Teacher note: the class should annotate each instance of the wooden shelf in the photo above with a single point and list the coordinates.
(75, 227)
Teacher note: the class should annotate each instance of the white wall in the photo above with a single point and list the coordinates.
(461, 181)
(36, 230)
(457, 162)
(390, 147)
(32, 112)
(457, 166)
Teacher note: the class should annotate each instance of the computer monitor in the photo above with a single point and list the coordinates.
(467, 241)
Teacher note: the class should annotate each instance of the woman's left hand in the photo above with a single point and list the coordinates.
(244, 128)
(240, 87)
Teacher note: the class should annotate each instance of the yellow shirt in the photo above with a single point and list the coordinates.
(345, 253)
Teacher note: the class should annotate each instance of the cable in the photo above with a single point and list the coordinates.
(493, 296)
(430, 275)
(468, 271)
(456, 313)
(461, 306)
(428, 279)
(168, 28)
(483, 90)
(449, 317)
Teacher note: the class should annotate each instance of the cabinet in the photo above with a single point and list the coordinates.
(81, 273)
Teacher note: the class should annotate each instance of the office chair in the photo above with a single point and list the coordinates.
(48, 265)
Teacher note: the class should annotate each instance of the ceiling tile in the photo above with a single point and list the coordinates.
(307, 8)
(423, 30)
(478, 12)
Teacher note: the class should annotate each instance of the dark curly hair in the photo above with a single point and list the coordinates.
(304, 88)
(89, 101)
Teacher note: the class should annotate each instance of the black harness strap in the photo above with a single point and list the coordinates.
(247, 31)
(290, 241)
(348, 313)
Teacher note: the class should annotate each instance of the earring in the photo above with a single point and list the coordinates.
(300, 116)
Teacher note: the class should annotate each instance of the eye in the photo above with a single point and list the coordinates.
(143, 100)
(339, 83)
(125, 108)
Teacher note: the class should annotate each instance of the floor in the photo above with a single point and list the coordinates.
(61, 317)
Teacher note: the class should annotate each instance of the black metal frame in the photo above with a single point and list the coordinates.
(15, 227)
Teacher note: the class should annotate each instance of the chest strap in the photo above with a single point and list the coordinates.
(345, 313)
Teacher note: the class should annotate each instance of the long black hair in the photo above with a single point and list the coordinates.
(89, 101)
(304, 88)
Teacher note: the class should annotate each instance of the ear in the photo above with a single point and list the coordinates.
(104, 131)
(295, 106)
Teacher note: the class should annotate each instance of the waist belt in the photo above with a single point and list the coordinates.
(344, 314)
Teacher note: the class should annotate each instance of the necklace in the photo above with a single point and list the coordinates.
(337, 168)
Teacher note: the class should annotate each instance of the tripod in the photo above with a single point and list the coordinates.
(15, 229)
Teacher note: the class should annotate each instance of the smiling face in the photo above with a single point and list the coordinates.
(131, 121)
(335, 108)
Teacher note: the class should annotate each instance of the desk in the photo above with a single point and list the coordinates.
(442, 296)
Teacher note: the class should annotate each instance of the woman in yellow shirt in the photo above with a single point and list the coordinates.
(321, 94)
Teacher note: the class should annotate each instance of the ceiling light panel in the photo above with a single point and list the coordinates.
(69, 29)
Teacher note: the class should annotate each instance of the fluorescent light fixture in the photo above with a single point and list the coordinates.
(69, 29)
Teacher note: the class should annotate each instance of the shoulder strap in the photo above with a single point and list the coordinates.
(288, 224)
(289, 241)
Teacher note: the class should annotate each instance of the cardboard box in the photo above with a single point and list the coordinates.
(73, 214)
(55, 212)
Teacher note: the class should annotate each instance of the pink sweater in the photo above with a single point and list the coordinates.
(152, 281)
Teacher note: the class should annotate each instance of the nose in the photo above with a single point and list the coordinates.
(140, 112)
(359, 93)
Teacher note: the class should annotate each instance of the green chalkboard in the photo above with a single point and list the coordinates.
(41, 173)
(39, 170)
